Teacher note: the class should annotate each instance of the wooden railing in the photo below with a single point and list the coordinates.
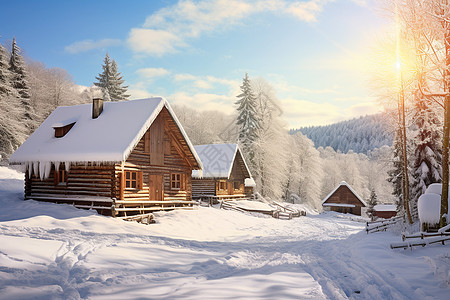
(423, 238)
(279, 211)
(382, 225)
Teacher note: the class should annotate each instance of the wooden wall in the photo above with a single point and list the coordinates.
(91, 182)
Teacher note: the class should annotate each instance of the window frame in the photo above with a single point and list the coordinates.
(220, 183)
(239, 185)
(176, 180)
(61, 177)
(128, 181)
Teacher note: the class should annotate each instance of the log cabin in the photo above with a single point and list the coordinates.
(344, 199)
(119, 158)
(225, 173)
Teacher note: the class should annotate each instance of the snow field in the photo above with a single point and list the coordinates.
(50, 251)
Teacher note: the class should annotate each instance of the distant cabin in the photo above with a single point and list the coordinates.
(225, 173)
(385, 211)
(120, 158)
(344, 199)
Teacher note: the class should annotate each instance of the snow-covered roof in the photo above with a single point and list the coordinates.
(343, 183)
(217, 160)
(339, 204)
(109, 138)
(385, 207)
(249, 182)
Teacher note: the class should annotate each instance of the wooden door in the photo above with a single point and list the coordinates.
(230, 188)
(155, 187)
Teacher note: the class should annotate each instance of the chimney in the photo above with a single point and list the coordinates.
(97, 107)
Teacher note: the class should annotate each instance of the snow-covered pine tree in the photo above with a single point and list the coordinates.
(117, 91)
(396, 173)
(371, 203)
(247, 120)
(104, 77)
(5, 84)
(20, 83)
(428, 154)
(111, 82)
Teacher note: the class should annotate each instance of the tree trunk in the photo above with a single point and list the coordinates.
(445, 140)
(405, 156)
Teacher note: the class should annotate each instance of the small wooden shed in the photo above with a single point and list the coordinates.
(385, 211)
(344, 199)
(120, 158)
(225, 173)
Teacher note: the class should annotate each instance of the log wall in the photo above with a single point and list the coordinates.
(88, 186)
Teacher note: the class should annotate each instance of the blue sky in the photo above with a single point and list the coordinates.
(196, 53)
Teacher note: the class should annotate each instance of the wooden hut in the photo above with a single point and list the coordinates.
(120, 158)
(385, 211)
(344, 199)
(225, 173)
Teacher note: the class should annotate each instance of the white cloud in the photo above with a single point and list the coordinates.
(299, 113)
(208, 82)
(151, 73)
(184, 77)
(87, 45)
(204, 101)
(154, 42)
(306, 10)
(169, 28)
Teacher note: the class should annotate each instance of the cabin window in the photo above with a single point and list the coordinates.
(133, 180)
(176, 182)
(61, 177)
(222, 185)
(63, 130)
(237, 185)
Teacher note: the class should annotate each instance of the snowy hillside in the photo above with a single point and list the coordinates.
(360, 135)
(51, 251)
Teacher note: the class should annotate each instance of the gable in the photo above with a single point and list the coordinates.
(344, 194)
(239, 169)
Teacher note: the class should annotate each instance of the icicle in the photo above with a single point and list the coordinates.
(35, 168)
(44, 169)
(67, 165)
(57, 165)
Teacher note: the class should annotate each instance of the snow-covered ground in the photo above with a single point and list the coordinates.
(50, 251)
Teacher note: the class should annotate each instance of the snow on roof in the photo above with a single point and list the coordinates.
(339, 204)
(343, 183)
(109, 138)
(217, 160)
(385, 207)
(249, 182)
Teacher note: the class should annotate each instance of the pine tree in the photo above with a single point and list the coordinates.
(428, 153)
(5, 84)
(19, 81)
(111, 82)
(371, 203)
(117, 90)
(396, 174)
(247, 120)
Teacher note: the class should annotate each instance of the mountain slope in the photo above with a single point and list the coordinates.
(360, 134)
